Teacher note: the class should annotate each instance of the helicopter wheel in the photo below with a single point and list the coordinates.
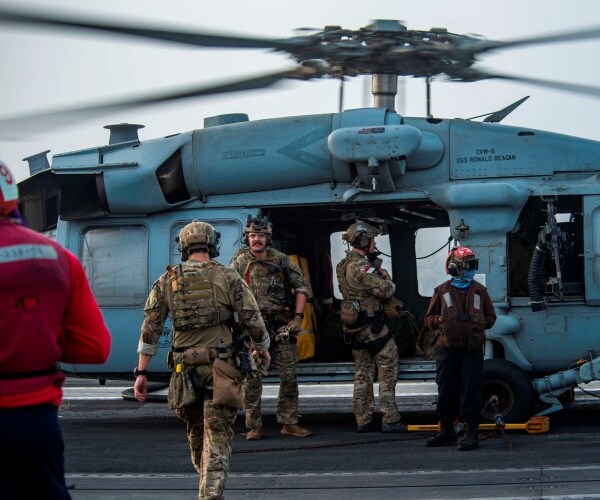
(507, 391)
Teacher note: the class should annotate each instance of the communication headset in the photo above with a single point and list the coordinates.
(213, 250)
(361, 238)
(361, 241)
(453, 269)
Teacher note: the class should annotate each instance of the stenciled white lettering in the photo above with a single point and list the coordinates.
(16, 253)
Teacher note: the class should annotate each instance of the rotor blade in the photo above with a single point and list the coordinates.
(476, 74)
(498, 116)
(13, 128)
(185, 37)
(572, 36)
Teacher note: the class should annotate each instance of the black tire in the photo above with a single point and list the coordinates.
(510, 389)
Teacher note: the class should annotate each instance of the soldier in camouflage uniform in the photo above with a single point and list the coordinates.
(203, 298)
(365, 286)
(272, 279)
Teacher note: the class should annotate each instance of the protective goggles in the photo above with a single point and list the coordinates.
(470, 265)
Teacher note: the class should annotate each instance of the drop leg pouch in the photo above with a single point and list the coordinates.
(227, 385)
(181, 390)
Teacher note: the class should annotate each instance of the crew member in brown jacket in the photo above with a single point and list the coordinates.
(461, 310)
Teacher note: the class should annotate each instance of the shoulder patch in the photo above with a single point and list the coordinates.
(369, 270)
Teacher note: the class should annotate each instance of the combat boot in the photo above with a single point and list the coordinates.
(470, 440)
(447, 436)
(294, 430)
(370, 426)
(394, 427)
(254, 434)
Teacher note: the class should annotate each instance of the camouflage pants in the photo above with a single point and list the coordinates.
(385, 362)
(284, 358)
(210, 432)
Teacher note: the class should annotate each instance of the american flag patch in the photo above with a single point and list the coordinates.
(369, 270)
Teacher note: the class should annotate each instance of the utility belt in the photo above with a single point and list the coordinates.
(31, 374)
(193, 356)
(186, 390)
(375, 320)
(374, 346)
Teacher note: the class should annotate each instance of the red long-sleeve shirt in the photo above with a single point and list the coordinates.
(48, 314)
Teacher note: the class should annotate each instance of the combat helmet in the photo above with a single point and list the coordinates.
(258, 225)
(460, 258)
(360, 233)
(9, 192)
(198, 235)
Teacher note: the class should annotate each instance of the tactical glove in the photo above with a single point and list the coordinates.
(262, 365)
(393, 308)
(295, 326)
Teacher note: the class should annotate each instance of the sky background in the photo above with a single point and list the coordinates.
(46, 69)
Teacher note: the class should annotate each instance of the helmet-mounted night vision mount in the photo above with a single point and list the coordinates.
(198, 235)
(258, 225)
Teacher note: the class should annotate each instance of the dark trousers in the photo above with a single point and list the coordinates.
(459, 375)
(31, 454)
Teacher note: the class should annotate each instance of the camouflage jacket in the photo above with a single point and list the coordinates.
(229, 293)
(361, 281)
(268, 281)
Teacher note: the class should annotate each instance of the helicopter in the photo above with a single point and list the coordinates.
(525, 201)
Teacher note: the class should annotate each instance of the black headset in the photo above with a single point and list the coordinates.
(361, 241)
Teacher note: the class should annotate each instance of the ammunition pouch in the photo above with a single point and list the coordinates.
(349, 310)
(227, 385)
(181, 389)
(375, 321)
(193, 356)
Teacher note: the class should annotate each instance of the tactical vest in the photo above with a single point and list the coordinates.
(454, 316)
(351, 291)
(269, 280)
(193, 297)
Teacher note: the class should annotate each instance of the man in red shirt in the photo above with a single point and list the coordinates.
(48, 315)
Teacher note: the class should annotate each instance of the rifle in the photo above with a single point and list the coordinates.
(241, 349)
